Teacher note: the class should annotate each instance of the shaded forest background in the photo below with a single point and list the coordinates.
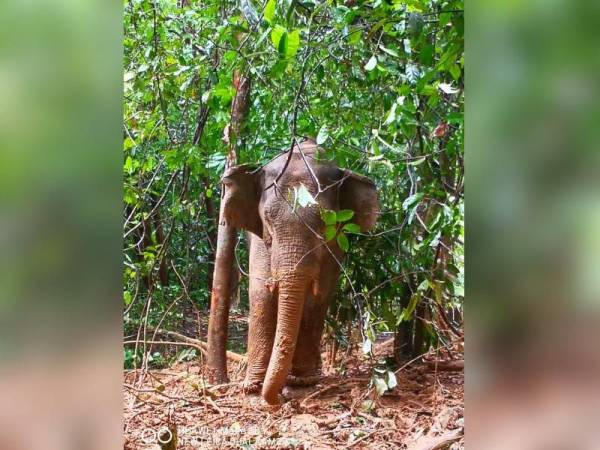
(379, 84)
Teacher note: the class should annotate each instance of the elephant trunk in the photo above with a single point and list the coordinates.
(292, 294)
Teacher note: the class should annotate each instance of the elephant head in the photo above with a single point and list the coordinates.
(262, 201)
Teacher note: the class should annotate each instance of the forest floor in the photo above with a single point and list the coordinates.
(423, 412)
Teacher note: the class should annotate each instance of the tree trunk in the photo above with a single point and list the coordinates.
(225, 253)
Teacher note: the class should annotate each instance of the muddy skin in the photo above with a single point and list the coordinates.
(293, 273)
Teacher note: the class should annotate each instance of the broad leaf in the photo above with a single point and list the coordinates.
(292, 44)
(304, 197)
(344, 215)
(412, 73)
(270, 10)
(328, 216)
(447, 88)
(351, 228)
(276, 35)
(330, 232)
(370, 65)
(342, 241)
(323, 135)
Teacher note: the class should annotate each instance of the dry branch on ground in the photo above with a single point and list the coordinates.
(423, 412)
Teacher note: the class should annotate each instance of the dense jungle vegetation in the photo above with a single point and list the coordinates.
(379, 84)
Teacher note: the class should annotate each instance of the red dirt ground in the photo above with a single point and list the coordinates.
(423, 412)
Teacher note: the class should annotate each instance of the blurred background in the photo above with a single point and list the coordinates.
(60, 223)
(532, 221)
(532, 225)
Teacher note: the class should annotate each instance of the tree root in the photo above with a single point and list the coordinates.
(196, 343)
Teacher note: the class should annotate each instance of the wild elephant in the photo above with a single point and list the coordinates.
(293, 270)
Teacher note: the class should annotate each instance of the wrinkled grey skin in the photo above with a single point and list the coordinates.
(293, 272)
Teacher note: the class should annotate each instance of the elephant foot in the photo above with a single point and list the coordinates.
(251, 387)
(306, 380)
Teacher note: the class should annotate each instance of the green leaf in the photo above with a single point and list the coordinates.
(370, 65)
(330, 232)
(455, 71)
(269, 13)
(281, 48)
(351, 228)
(129, 165)
(426, 55)
(342, 241)
(323, 135)
(328, 216)
(344, 215)
(127, 298)
(292, 44)
(304, 197)
(412, 200)
(417, 161)
(392, 115)
(128, 143)
(276, 35)
(423, 286)
(389, 51)
(355, 36)
(407, 312)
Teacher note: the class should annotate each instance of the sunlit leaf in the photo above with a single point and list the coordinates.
(392, 115)
(276, 35)
(412, 73)
(447, 88)
(380, 385)
(389, 51)
(292, 44)
(323, 135)
(269, 13)
(391, 379)
(304, 197)
(370, 65)
(367, 346)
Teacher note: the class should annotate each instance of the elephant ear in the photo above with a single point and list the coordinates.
(242, 195)
(359, 194)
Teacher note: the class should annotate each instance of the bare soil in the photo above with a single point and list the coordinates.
(423, 412)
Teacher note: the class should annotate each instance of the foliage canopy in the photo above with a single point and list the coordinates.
(379, 84)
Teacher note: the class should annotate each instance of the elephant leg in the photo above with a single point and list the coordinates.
(306, 365)
(263, 315)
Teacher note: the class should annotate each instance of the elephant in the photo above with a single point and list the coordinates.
(293, 271)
